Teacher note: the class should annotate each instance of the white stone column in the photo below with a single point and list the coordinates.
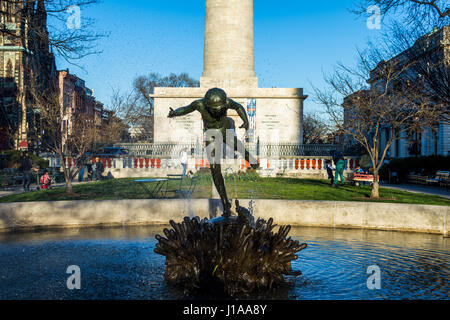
(229, 55)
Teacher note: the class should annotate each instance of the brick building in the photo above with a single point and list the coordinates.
(76, 100)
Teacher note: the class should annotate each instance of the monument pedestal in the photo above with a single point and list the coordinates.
(275, 114)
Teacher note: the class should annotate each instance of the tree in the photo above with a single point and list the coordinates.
(429, 63)
(72, 140)
(136, 108)
(428, 13)
(67, 142)
(414, 32)
(315, 130)
(373, 95)
(70, 35)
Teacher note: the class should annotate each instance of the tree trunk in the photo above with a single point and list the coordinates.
(69, 186)
(375, 186)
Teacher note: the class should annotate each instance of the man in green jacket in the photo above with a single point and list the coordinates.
(339, 161)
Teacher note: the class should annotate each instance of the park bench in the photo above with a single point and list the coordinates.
(411, 178)
(416, 179)
(441, 179)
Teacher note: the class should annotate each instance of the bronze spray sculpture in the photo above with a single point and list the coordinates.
(233, 254)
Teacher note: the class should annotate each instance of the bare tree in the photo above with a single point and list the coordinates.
(428, 13)
(363, 100)
(76, 139)
(70, 34)
(69, 142)
(428, 58)
(315, 129)
(417, 33)
(136, 108)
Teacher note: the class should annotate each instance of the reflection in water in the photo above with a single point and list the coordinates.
(119, 263)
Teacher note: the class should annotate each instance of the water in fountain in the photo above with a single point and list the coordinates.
(119, 263)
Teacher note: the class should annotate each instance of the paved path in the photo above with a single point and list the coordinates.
(445, 193)
(33, 186)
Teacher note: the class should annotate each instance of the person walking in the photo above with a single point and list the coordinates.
(25, 167)
(338, 159)
(183, 160)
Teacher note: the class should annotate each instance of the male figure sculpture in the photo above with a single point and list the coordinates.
(213, 108)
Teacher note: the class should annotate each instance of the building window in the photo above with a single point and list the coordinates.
(435, 132)
(9, 70)
(415, 144)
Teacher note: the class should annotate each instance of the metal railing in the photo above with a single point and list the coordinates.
(262, 150)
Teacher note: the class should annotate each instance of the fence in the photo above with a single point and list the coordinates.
(262, 150)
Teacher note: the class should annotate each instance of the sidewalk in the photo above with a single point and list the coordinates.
(33, 186)
(445, 193)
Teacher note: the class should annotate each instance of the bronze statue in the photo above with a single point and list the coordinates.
(234, 255)
(213, 108)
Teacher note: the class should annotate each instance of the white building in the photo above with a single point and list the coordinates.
(434, 46)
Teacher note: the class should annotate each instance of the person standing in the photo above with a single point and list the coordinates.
(99, 168)
(81, 174)
(94, 170)
(329, 168)
(183, 160)
(339, 162)
(90, 171)
(25, 167)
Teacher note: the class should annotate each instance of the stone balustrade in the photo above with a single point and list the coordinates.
(301, 167)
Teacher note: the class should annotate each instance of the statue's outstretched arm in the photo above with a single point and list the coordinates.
(240, 111)
(183, 110)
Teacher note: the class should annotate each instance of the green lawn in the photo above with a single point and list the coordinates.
(258, 188)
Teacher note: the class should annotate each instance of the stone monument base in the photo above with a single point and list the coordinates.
(275, 114)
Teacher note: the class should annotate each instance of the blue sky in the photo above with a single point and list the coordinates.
(295, 42)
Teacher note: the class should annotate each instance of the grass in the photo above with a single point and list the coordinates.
(259, 188)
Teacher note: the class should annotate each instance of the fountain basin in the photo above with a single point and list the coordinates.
(119, 263)
(336, 214)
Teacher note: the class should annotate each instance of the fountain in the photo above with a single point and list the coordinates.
(232, 253)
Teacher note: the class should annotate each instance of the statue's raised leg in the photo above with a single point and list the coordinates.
(239, 146)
